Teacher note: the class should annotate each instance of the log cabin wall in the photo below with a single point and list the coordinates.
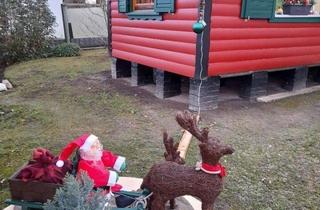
(239, 46)
(169, 45)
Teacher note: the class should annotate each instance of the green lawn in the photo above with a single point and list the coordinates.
(275, 166)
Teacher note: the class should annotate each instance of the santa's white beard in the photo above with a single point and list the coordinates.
(91, 155)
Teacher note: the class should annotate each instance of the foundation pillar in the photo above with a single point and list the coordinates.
(296, 79)
(254, 86)
(140, 74)
(207, 97)
(120, 68)
(167, 84)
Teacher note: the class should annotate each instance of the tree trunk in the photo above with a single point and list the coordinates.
(2, 68)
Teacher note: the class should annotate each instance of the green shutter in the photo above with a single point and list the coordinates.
(257, 9)
(124, 6)
(164, 6)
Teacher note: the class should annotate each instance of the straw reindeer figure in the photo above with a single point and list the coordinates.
(170, 179)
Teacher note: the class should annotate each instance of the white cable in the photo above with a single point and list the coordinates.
(201, 79)
(201, 64)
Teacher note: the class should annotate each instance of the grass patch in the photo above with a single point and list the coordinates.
(298, 101)
(20, 131)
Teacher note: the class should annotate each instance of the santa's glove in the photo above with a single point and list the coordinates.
(123, 167)
(113, 178)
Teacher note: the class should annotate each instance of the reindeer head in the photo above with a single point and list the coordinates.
(211, 149)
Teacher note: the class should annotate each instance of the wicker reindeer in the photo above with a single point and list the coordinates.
(170, 179)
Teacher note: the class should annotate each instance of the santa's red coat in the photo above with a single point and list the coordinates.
(98, 170)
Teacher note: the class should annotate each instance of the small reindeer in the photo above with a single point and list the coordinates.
(169, 179)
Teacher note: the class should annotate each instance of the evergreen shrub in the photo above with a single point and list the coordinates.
(66, 50)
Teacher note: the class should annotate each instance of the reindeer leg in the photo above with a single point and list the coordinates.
(172, 204)
(207, 206)
(157, 203)
(150, 201)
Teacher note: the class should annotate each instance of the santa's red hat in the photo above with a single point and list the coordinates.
(84, 142)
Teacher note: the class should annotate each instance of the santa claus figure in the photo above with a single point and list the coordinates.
(95, 161)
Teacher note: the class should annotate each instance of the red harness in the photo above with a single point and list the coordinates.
(216, 169)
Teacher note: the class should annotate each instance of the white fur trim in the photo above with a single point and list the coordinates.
(117, 165)
(112, 178)
(88, 142)
(59, 163)
(210, 172)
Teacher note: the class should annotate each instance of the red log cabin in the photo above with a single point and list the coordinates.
(165, 40)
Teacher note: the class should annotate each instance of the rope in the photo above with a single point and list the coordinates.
(201, 79)
(202, 3)
(138, 201)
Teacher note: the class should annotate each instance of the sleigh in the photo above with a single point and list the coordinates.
(138, 201)
(32, 195)
(27, 195)
(170, 179)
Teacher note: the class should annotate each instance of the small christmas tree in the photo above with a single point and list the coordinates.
(77, 194)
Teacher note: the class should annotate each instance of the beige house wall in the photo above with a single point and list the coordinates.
(87, 22)
(317, 6)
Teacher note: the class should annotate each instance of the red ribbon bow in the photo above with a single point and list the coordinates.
(43, 168)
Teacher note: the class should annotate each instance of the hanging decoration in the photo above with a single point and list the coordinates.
(199, 26)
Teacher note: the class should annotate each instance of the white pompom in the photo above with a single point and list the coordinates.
(59, 163)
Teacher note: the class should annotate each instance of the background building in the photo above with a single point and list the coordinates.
(80, 21)
(55, 7)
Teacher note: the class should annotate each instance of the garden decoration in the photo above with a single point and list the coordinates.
(94, 161)
(170, 179)
(42, 168)
(297, 7)
(299, 2)
(38, 180)
(199, 26)
(76, 194)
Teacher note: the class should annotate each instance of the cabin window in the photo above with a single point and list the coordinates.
(143, 4)
(297, 9)
(282, 10)
(146, 9)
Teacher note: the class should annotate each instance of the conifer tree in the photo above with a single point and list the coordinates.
(77, 195)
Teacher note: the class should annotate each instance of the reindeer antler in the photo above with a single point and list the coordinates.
(172, 153)
(188, 121)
